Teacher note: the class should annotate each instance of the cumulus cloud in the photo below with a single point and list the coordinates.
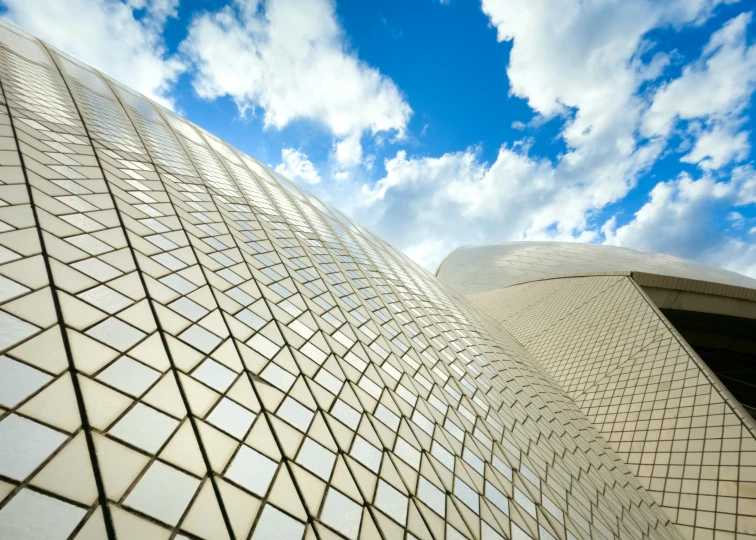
(580, 62)
(590, 64)
(717, 86)
(290, 59)
(682, 217)
(715, 90)
(428, 206)
(718, 146)
(122, 39)
(588, 60)
(296, 166)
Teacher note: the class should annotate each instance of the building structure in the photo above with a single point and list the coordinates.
(658, 352)
(191, 346)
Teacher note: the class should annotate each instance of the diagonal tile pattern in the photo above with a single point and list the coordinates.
(213, 353)
(652, 398)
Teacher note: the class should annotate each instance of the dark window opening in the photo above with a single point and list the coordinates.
(727, 345)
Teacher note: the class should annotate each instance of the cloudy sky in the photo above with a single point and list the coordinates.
(443, 123)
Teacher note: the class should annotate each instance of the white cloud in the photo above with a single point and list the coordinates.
(296, 166)
(586, 61)
(591, 64)
(719, 146)
(290, 58)
(581, 61)
(122, 39)
(681, 218)
(717, 86)
(429, 206)
(714, 90)
(736, 255)
(348, 151)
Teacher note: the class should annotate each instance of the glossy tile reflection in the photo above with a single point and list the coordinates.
(216, 354)
(659, 405)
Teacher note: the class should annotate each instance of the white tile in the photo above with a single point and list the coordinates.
(251, 319)
(275, 525)
(33, 516)
(164, 492)
(200, 338)
(466, 494)
(230, 276)
(252, 470)
(407, 452)
(90, 244)
(391, 502)
(497, 497)
(189, 309)
(145, 428)
(214, 375)
(169, 261)
(367, 454)
(316, 459)
(488, 533)
(96, 269)
(525, 502)
(263, 345)
(432, 496)
(178, 283)
(13, 330)
(278, 377)
(232, 418)
(18, 381)
(116, 333)
(240, 296)
(342, 514)
(24, 445)
(346, 414)
(129, 376)
(474, 461)
(10, 289)
(387, 417)
(423, 422)
(106, 299)
(295, 414)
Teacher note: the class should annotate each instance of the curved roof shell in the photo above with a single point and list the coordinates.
(475, 269)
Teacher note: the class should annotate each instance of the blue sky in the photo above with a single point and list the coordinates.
(439, 124)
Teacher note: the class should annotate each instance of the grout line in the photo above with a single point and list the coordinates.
(86, 427)
(160, 331)
(284, 459)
